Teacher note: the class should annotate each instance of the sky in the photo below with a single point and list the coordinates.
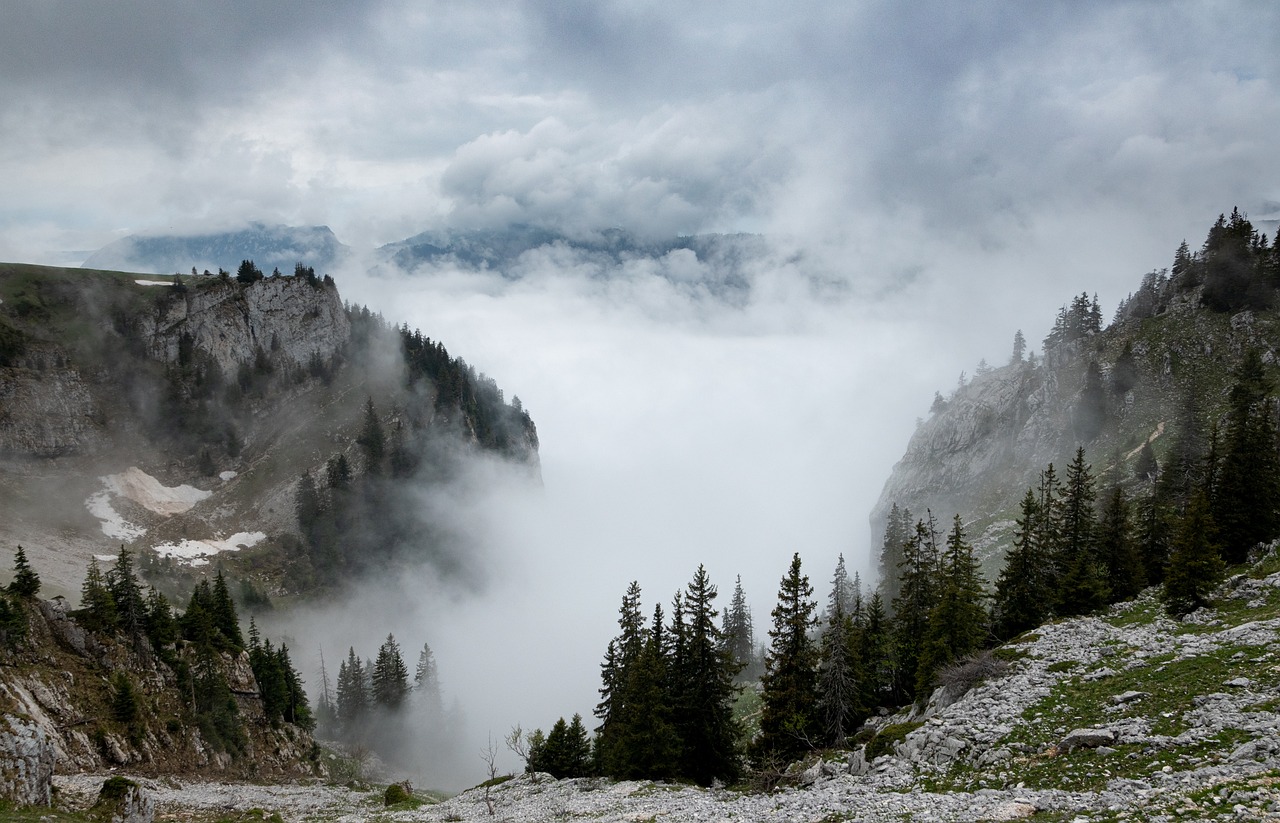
(930, 177)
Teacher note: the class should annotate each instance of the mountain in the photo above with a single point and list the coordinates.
(719, 262)
(183, 417)
(269, 246)
(1159, 375)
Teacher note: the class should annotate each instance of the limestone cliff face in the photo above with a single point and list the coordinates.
(231, 323)
(46, 407)
(1108, 391)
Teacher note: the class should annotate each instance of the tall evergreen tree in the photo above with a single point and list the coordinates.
(126, 591)
(958, 623)
(1023, 597)
(26, 583)
(97, 606)
(223, 613)
(1245, 498)
(352, 697)
(897, 531)
(841, 689)
(912, 609)
(706, 691)
(371, 438)
(1194, 565)
(1083, 585)
(426, 680)
(1119, 549)
(789, 723)
(1153, 536)
(739, 632)
(390, 676)
(874, 651)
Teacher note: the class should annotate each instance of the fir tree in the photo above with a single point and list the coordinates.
(352, 696)
(26, 583)
(897, 531)
(789, 724)
(426, 681)
(371, 438)
(874, 651)
(646, 743)
(841, 690)
(223, 613)
(126, 591)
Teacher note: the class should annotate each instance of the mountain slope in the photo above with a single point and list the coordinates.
(269, 246)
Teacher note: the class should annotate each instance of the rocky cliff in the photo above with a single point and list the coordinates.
(1110, 391)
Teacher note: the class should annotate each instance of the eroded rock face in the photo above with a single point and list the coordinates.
(26, 762)
(123, 801)
(283, 315)
(46, 412)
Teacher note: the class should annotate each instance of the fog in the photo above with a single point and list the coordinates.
(931, 177)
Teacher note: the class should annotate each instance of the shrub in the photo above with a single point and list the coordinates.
(888, 737)
(397, 793)
(963, 675)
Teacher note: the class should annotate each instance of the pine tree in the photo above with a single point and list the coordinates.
(1153, 537)
(1019, 347)
(841, 688)
(1023, 595)
(874, 651)
(26, 583)
(958, 623)
(162, 628)
(390, 676)
(1194, 566)
(789, 724)
(352, 696)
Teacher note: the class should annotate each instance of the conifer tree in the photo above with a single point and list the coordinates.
(912, 609)
(1023, 595)
(162, 628)
(326, 712)
(1194, 565)
(1119, 548)
(789, 724)
(1245, 498)
(97, 606)
(739, 632)
(958, 623)
(352, 696)
(645, 742)
(897, 531)
(126, 591)
(1153, 536)
(390, 676)
(841, 690)
(615, 673)
(223, 613)
(1083, 585)
(874, 651)
(706, 691)
(26, 583)
(426, 681)
(372, 438)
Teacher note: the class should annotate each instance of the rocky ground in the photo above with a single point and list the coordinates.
(1127, 716)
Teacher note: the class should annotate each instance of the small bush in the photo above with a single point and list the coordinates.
(1061, 666)
(963, 675)
(396, 793)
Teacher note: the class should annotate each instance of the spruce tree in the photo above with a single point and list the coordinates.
(1153, 536)
(1023, 595)
(352, 696)
(1194, 565)
(26, 583)
(739, 632)
(1083, 586)
(841, 689)
(390, 676)
(97, 606)
(789, 723)
(223, 613)
(911, 611)
(646, 744)
(371, 438)
(897, 531)
(1245, 498)
(706, 691)
(958, 623)
(1119, 548)
(126, 591)
(615, 673)
(874, 650)
(426, 681)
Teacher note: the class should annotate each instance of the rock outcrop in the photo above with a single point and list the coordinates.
(27, 760)
(232, 323)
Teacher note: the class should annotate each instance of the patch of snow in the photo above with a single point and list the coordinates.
(113, 525)
(154, 282)
(197, 552)
(227, 475)
(106, 558)
(149, 493)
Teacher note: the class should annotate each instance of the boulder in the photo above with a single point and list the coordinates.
(123, 801)
(1087, 739)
